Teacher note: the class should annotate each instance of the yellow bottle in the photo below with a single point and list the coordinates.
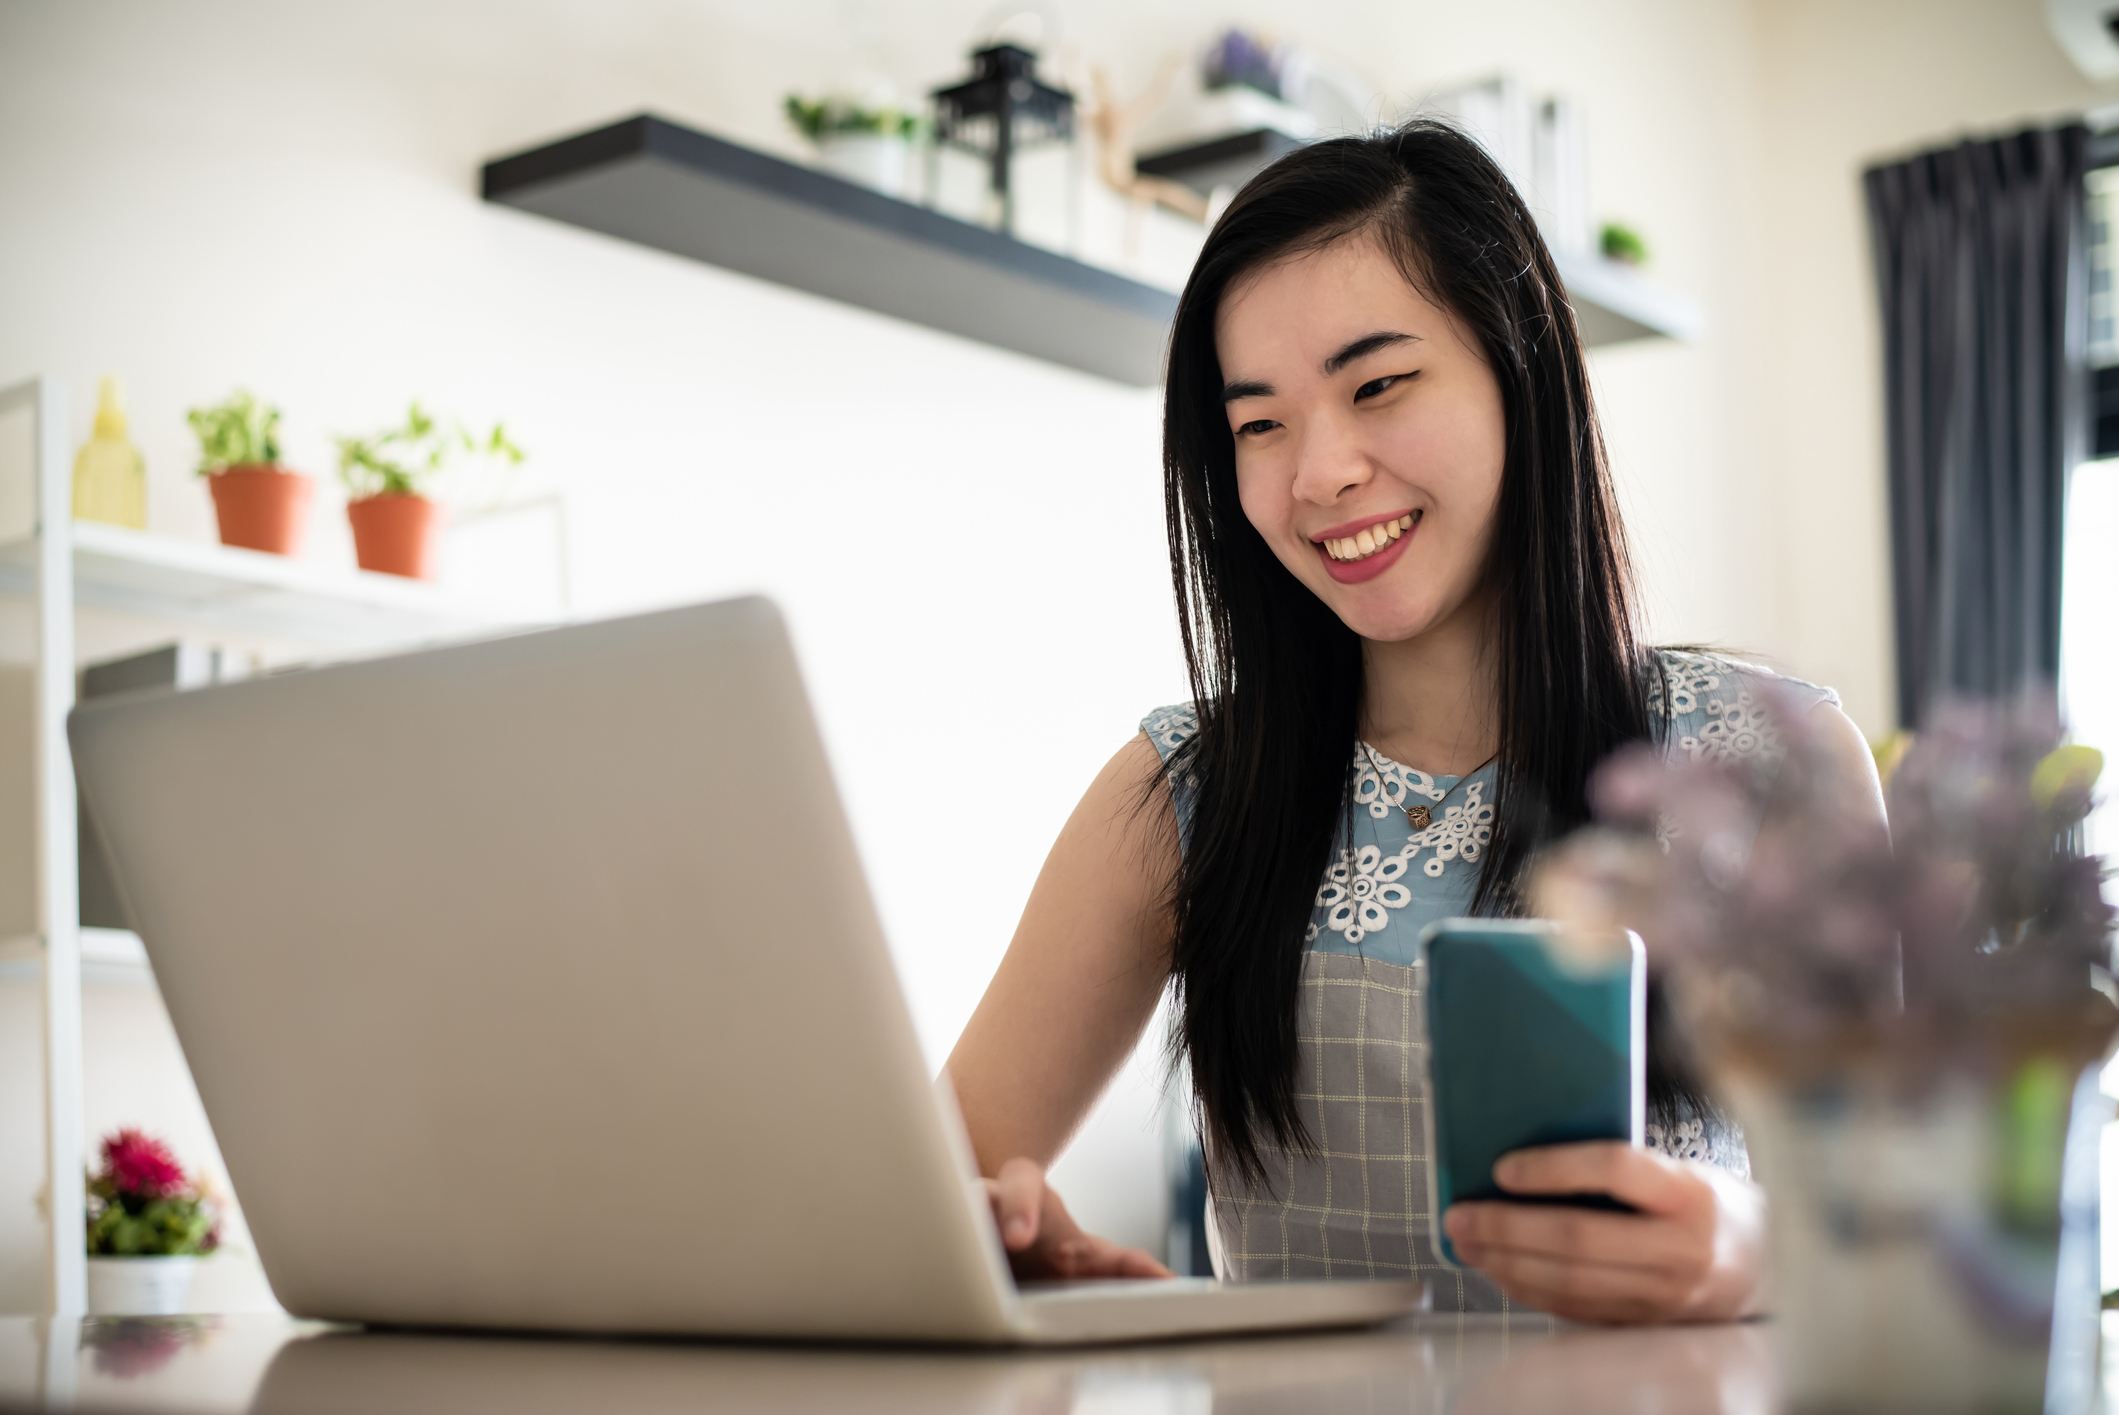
(110, 475)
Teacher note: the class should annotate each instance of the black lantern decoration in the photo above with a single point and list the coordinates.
(1003, 108)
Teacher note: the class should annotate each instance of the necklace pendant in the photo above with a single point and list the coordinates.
(1417, 817)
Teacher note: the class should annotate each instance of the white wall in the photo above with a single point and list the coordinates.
(204, 194)
(967, 542)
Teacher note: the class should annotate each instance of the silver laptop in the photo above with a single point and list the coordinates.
(534, 983)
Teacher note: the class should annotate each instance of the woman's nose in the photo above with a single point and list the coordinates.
(1329, 463)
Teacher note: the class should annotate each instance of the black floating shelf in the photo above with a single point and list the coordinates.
(680, 190)
(1225, 161)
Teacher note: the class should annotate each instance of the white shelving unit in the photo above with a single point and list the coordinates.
(1615, 304)
(63, 564)
(113, 955)
(237, 591)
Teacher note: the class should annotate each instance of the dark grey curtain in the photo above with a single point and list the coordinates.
(1981, 266)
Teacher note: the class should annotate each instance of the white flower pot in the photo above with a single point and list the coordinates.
(1222, 112)
(871, 159)
(1899, 1281)
(134, 1287)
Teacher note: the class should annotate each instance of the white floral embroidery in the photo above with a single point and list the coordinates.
(1735, 724)
(1687, 1141)
(1170, 726)
(1388, 790)
(1360, 889)
(1692, 1140)
(1707, 699)
(1675, 692)
(1167, 728)
(1455, 832)
(1461, 834)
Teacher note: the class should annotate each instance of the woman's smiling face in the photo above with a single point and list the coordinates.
(1355, 400)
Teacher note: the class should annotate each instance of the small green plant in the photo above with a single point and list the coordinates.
(1622, 242)
(407, 458)
(237, 432)
(141, 1204)
(821, 118)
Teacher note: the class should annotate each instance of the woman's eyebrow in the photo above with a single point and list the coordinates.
(1366, 344)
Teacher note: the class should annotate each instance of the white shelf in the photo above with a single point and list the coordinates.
(1615, 303)
(240, 591)
(114, 955)
(64, 564)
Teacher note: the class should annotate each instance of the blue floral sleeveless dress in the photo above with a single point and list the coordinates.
(1359, 1208)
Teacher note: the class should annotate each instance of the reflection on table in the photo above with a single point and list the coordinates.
(1467, 1365)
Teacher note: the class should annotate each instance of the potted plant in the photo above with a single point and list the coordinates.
(259, 504)
(866, 143)
(148, 1225)
(396, 527)
(1622, 243)
(1908, 1028)
(1248, 83)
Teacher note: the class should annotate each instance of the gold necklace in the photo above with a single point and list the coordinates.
(1422, 816)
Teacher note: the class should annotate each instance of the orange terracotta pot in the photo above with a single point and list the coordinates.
(262, 507)
(396, 532)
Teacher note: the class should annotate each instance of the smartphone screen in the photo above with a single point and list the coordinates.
(1527, 1044)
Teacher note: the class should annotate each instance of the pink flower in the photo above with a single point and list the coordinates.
(137, 1163)
(137, 1346)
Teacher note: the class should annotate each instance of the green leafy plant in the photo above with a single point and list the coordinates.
(406, 458)
(141, 1204)
(239, 431)
(825, 117)
(1621, 242)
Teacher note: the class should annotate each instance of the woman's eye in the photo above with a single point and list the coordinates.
(1376, 385)
(1256, 426)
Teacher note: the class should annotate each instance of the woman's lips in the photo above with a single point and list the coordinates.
(1353, 572)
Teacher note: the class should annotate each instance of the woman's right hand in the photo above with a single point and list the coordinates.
(1043, 1240)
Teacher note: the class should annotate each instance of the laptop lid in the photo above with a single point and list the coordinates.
(534, 982)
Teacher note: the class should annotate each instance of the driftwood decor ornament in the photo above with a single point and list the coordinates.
(1114, 124)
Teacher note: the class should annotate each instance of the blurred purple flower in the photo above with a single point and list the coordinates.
(1239, 57)
(1792, 923)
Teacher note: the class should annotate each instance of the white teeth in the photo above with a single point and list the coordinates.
(1369, 541)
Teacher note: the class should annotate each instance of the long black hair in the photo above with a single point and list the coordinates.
(1276, 677)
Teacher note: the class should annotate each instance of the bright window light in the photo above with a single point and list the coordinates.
(2089, 676)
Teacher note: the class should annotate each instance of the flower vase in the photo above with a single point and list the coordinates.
(139, 1287)
(876, 160)
(261, 507)
(1933, 1251)
(397, 533)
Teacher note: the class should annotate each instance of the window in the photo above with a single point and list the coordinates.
(2104, 311)
(2089, 601)
(2089, 637)
(2089, 592)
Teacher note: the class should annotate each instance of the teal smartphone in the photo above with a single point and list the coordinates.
(1527, 1044)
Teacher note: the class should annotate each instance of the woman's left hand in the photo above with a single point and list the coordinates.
(1696, 1251)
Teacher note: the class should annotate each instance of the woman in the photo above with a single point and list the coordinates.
(1410, 627)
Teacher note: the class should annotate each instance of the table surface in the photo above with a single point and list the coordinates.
(1466, 1365)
